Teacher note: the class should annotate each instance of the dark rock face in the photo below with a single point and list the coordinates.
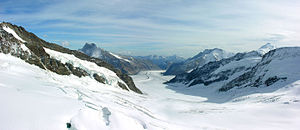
(68, 125)
(38, 56)
(122, 86)
(127, 64)
(130, 85)
(99, 78)
(272, 80)
(76, 70)
(241, 80)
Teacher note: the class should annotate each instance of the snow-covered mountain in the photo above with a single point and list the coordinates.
(208, 55)
(221, 70)
(46, 86)
(279, 66)
(127, 64)
(266, 48)
(249, 69)
(164, 62)
(16, 41)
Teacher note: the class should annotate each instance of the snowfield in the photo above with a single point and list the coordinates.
(260, 111)
(35, 99)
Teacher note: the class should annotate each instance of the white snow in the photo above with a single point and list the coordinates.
(34, 99)
(24, 48)
(246, 62)
(284, 63)
(216, 55)
(266, 48)
(90, 67)
(198, 107)
(120, 57)
(11, 31)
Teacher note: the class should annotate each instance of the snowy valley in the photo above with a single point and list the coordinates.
(46, 86)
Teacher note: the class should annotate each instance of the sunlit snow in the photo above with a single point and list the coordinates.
(119, 57)
(11, 31)
(34, 99)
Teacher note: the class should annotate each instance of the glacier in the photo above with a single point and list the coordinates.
(41, 99)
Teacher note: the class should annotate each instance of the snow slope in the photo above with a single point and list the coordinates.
(90, 67)
(35, 99)
(279, 66)
(190, 107)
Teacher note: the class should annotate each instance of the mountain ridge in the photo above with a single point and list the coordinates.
(164, 62)
(244, 70)
(31, 49)
(127, 64)
(198, 60)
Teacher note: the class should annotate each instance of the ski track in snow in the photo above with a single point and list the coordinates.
(31, 100)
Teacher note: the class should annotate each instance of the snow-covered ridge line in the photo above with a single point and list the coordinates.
(266, 48)
(119, 57)
(90, 67)
(11, 31)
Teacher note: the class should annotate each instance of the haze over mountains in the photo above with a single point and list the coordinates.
(130, 64)
(164, 62)
(127, 64)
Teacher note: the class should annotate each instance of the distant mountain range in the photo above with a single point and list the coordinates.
(199, 60)
(127, 64)
(262, 68)
(164, 62)
(130, 64)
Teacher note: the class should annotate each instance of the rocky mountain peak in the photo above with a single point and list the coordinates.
(89, 46)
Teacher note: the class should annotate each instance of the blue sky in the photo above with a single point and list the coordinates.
(163, 27)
